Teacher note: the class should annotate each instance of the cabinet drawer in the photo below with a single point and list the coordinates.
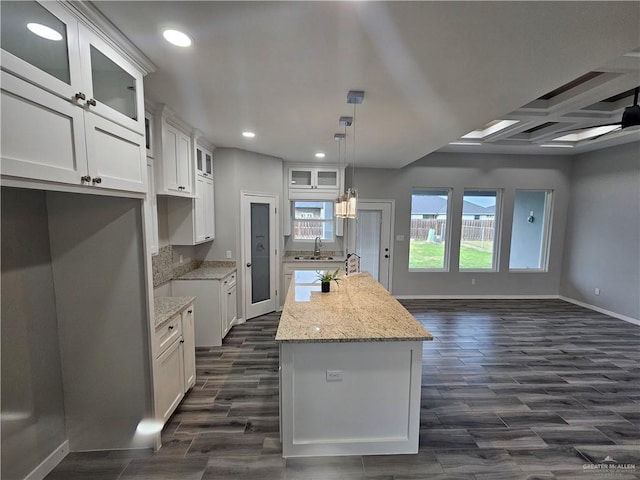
(167, 334)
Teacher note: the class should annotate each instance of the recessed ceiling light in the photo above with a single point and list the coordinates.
(465, 143)
(44, 31)
(248, 134)
(319, 155)
(177, 38)
(559, 145)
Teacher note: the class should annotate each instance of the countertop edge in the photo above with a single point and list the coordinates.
(180, 305)
(357, 340)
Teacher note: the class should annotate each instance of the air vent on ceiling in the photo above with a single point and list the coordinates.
(573, 84)
(539, 127)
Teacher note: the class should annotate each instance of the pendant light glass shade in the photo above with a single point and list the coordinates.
(351, 210)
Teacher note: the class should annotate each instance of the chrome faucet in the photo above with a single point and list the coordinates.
(316, 247)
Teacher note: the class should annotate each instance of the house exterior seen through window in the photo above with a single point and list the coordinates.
(313, 219)
(479, 222)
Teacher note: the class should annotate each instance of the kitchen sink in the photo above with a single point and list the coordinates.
(313, 258)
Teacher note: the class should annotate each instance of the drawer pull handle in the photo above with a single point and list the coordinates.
(189, 311)
(97, 180)
(85, 178)
(91, 102)
(80, 96)
(181, 341)
(170, 327)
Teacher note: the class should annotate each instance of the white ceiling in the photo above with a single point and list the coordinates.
(431, 71)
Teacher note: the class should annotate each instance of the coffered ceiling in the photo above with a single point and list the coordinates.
(431, 71)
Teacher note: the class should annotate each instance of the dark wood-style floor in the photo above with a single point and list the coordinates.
(511, 389)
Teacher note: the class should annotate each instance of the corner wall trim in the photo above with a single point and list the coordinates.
(635, 321)
(49, 463)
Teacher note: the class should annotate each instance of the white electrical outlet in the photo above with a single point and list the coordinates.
(181, 260)
(334, 375)
(473, 281)
(597, 291)
(228, 253)
(399, 238)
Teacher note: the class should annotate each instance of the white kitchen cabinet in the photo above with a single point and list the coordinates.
(230, 307)
(212, 305)
(204, 162)
(175, 161)
(313, 183)
(188, 348)
(191, 220)
(169, 376)
(78, 119)
(175, 364)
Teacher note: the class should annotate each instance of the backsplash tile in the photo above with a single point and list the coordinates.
(162, 265)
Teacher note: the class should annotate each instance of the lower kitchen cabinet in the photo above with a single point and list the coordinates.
(175, 364)
(215, 304)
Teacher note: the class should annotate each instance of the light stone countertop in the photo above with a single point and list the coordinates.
(207, 273)
(359, 309)
(166, 307)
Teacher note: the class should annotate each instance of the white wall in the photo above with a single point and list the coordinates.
(460, 171)
(603, 231)
(32, 397)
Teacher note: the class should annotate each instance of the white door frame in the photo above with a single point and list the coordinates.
(351, 231)
(274, 265)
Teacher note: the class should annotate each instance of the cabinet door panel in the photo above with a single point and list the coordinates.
(116, 155)
(184, 163)
(189, 348)
(200, 210)
(209, 211)
(54, 65)
(169, 373)
(170, 157)
(112, 82)
(42, 135)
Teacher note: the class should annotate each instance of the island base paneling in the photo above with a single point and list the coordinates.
(373, 409)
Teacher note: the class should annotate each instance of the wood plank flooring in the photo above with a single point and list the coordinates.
(511, 389)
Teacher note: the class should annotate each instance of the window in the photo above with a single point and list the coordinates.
(479, 221)
(530, 230)
(313, 219)
(428, 247)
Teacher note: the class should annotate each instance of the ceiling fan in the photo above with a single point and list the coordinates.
(630, 118)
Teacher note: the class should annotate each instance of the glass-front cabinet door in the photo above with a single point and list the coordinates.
(113, 87)
(300, 178)
(327, 178)
(40, 43)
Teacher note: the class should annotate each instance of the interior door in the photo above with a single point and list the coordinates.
(259, 253)
(370, 237)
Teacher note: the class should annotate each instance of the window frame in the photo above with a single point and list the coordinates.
(446, 267)
(546, 231)
(497, 228)
(331, 220)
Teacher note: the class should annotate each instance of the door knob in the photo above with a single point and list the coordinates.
(249, 264)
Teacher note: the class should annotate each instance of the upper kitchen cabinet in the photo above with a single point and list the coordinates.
(72, 99)
(173, 155)
(204, 162)
(313, 183)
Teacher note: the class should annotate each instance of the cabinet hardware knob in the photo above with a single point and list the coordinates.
(249, 264)
(225, 282)
(189, 311)
(85, 178)
(170, 327)
(386, 256)
(207, 238)
(97, 180)
(181, 341)
(92, 102)
(229, 293)
(80, 96)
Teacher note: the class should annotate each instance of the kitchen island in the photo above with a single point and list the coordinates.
(350, 370)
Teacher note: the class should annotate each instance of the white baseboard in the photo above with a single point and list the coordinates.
(474, 297)
(237, 321)
(635, 321)
(49, 463)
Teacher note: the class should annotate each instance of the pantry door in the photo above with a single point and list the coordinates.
(259, 241)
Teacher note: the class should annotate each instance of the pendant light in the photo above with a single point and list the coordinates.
(341, 205)
(353, 97)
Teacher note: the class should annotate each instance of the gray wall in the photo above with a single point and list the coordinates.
(460, 171)
(603, 232)
(236, 171)
(100, 290)
(32, 398)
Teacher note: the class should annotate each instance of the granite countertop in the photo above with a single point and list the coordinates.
(290, 257)
(359, 309)
(166, 307)
(207, 273)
